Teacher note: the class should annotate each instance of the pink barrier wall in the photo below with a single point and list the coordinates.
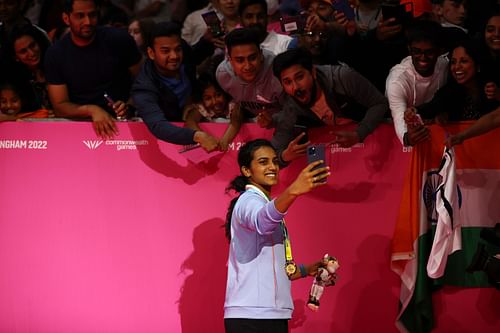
(125, 236)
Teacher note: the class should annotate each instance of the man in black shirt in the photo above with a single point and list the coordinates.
(86, 64)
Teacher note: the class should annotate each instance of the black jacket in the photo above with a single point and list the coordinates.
(158, 105)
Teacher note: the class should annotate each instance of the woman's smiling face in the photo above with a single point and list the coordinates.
(27, 51)
(264, 168)
(10, 103)
(462, 66)
(492, 34)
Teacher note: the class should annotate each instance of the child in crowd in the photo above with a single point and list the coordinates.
(214, 105)
(11, 105)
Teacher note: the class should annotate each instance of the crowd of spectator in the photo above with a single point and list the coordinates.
(282, 64)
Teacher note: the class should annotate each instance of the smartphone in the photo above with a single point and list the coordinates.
(109, 100)
(315, 153)
(402, 13)
(212, 21)
(344, 7)
(297, 130)
(293, 24)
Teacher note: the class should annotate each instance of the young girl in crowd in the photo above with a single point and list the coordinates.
(12, 106)
(258, 295)
(213, 104)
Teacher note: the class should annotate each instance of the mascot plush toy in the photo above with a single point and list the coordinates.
(325, 277)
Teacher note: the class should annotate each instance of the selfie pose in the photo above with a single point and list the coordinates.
(260, 264)
(319, 96)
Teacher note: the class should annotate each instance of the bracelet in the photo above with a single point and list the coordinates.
(303, 272)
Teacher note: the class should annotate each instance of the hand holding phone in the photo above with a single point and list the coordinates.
(212, 21)
(344, 7)
(402, 13)
(297, 130)
(109, 100)
(112, 105)
(315, 153)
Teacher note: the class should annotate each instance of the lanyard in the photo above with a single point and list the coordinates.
(290, 266)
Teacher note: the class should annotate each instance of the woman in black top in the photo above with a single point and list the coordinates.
(27, 46)
(463, 97)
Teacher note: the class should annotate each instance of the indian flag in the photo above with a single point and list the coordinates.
(477, 177)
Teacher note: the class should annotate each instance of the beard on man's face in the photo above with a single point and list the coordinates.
(301, 93)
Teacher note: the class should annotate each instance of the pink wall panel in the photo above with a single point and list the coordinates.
(127, 237)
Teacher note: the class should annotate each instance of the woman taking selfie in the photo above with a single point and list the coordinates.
(260, 264)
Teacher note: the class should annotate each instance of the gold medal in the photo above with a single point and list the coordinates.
(290, 268)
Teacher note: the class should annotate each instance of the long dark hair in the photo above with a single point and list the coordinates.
(484, 46)
(245, 157)
(34, 94)
(471, 48)
(38, 36)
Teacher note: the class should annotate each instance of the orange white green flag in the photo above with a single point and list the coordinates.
(477, 193)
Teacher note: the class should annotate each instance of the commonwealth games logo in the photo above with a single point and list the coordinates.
(92, 144)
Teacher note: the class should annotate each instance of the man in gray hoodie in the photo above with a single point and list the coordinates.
(323, 96)
(247, 75)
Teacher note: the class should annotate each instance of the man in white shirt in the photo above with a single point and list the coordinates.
(415, 80)
(253, 14)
